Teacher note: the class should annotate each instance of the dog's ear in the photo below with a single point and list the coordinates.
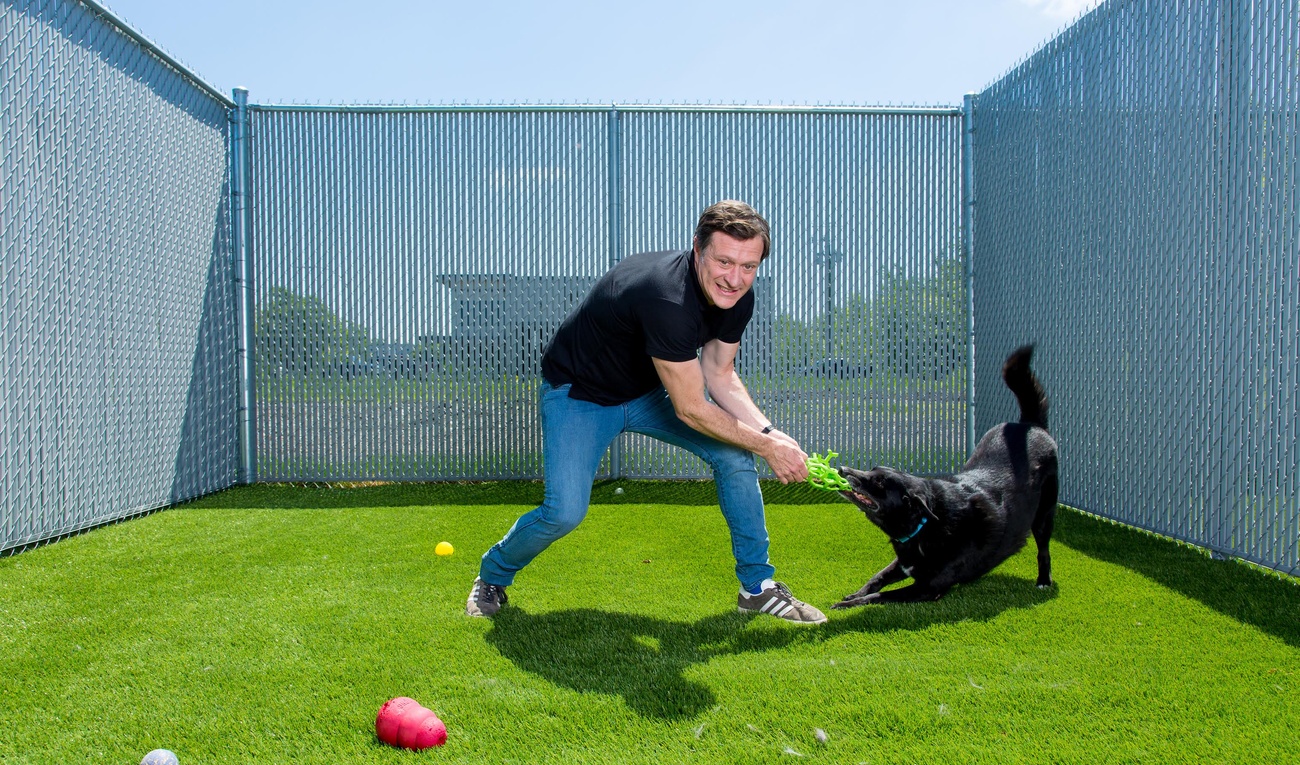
(923, 505)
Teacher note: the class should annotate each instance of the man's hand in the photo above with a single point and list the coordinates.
(786, 459)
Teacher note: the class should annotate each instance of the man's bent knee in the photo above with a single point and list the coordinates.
(732, 460)
(560, 519)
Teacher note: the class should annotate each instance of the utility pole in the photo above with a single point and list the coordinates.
(827, 257)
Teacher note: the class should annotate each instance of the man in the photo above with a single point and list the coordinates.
(637, 355)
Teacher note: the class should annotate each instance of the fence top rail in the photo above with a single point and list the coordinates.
(157, 52)
(939, 111)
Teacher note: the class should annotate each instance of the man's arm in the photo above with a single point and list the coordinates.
(734, 418)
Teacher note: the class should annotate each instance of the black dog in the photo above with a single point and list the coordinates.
(954, 529)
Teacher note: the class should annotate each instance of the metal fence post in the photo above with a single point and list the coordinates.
(243, 286)
(615, 242)
(968, 245)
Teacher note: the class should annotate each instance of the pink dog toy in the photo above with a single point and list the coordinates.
(402, 722)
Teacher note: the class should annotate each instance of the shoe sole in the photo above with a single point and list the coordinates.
(756, 612)
(473, 610)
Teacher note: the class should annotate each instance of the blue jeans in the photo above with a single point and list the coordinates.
(575, 435)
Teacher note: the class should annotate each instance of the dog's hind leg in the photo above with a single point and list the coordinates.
(1044, 520)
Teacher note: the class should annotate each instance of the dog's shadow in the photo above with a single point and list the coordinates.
(644, 659)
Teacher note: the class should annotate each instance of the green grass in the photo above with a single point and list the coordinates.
(268, 624)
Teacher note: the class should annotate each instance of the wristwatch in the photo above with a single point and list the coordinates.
(768, 429)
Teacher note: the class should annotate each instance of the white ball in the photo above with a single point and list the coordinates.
(160, 757)
(619, 490)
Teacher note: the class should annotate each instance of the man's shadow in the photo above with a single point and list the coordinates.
(644, 659)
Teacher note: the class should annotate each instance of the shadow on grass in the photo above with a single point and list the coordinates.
(1249, 595)
(644, 659)
(640, 658)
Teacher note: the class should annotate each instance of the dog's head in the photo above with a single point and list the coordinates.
(895, 501)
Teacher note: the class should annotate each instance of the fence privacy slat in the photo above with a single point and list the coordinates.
(116, 330)
(1136, 216)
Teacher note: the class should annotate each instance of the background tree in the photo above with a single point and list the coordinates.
(914, 326)
(300, 334)
(917, 324)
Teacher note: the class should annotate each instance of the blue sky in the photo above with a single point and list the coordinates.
(841, 52)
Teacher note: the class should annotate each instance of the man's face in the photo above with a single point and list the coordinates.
(727, 266)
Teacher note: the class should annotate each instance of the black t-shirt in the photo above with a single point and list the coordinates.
(648, 306)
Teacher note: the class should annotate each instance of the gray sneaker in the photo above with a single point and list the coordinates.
(486, 599)
(776, 600)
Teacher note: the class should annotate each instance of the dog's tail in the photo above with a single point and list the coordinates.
(1022, 382)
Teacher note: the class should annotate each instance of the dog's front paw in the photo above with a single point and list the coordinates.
(856, 599)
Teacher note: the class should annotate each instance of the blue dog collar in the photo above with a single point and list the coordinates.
(908, 538)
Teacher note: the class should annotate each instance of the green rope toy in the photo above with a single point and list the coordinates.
(822, 476)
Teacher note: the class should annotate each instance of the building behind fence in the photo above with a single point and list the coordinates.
(1125, 199)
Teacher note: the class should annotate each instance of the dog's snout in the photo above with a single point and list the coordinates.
(866, 478)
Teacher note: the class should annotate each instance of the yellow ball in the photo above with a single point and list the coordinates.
(444, 548)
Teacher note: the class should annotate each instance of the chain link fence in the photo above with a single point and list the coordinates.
(115, 282)
(1131, 189)
(412, 263)
(1136, 216)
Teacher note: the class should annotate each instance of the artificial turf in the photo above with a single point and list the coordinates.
(268, 624)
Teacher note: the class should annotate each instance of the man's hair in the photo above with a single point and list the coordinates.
(735, 219)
